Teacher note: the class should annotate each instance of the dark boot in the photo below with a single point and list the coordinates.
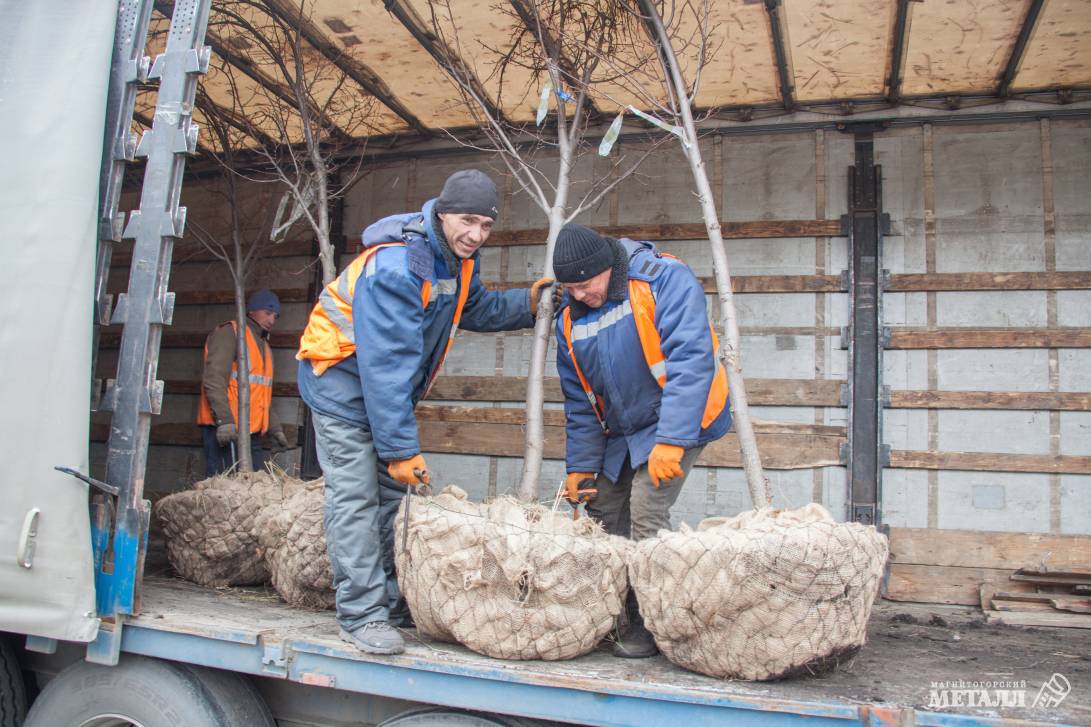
(638, 642)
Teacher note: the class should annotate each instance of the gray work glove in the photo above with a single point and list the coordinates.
(280, 439)
(226, 433)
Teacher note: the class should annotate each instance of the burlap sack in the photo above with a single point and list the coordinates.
(507, 579)
(763, 595)
(210, 529)
(292, 537)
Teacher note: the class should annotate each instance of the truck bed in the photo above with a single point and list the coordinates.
(912, 650)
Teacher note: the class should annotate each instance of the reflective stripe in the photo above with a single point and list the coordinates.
(337, 318)
(443, 286)
(596, 405)
(254, 378)
(343, 286)
(641, 295)
(465, 277)
(587, 330)
(370, 266)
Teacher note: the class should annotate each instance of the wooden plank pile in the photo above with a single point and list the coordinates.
(1059, 598)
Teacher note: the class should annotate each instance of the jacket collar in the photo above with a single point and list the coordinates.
(438, 241)
(255, 329)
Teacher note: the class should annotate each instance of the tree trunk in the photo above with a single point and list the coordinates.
(242, 360)
(535, 430)
(325, 248)
(242, 357)
(729, 352)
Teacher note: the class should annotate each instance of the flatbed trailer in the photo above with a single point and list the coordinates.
(914, 660)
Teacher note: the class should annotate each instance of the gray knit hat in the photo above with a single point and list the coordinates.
(469, 191)
(580, 254)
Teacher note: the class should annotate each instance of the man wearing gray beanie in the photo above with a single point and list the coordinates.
(644, 390)
(374, 344)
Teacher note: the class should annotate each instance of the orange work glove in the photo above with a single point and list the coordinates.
(580, 487)
(535, 290)
(665, 463)
(410, 472)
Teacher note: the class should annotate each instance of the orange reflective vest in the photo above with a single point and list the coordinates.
(329, 337)
(261, 385)
(643, 304)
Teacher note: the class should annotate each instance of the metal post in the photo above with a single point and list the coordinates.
(135, 395)
(865, 454)
(128, 69)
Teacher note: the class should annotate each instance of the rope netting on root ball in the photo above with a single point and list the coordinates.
(292, 537)
(764, 595)
(210, 530)
(508, 579)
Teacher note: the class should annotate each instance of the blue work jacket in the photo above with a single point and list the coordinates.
(638, 411)
(398, 344)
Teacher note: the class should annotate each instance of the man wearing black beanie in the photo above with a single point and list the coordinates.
(373, 345)
(644, 390)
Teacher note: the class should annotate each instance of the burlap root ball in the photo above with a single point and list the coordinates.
(763, 595)
(210, 529)
(507, 579)
(292, 537)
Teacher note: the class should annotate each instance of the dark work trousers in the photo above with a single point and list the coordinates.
(218, 459)
(361, 502)
(633, 507)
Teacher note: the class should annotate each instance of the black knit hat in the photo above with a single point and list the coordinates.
(469, 191)
(580, 254)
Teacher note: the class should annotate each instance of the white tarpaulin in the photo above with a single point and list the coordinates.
(54, 73)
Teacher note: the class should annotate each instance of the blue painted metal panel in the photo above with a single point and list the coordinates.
(115, 592)
(508, 691)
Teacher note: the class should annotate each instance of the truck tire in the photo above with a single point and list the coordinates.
(147, 693)
(236, 695)
(448, 717)
(13, 695)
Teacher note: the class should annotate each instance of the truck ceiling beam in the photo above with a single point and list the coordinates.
(347, 64)
(780, 52)
(1007, 78)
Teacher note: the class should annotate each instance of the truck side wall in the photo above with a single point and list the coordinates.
(993, 198)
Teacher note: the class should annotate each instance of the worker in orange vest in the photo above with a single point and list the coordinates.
(219, 407)
(374, 344)
(644, 390)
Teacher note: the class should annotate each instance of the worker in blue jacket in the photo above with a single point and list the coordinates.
(644, 389)
(373, 345)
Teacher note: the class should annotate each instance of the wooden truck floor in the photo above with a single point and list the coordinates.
(913, 655)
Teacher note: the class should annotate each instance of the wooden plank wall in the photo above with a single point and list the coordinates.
(987, 299)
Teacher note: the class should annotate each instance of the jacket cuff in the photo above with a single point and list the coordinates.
(684, 443)
(392, 455)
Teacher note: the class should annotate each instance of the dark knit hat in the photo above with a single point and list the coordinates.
(264, 299)
(580, 254)
(469, 191)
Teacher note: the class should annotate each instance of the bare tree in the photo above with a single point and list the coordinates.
(298, 104)
(684, 30)
(238, 252)
(560, 43)
(281, 113)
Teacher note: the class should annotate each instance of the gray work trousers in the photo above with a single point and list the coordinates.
(361, 502)
(632, 507)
